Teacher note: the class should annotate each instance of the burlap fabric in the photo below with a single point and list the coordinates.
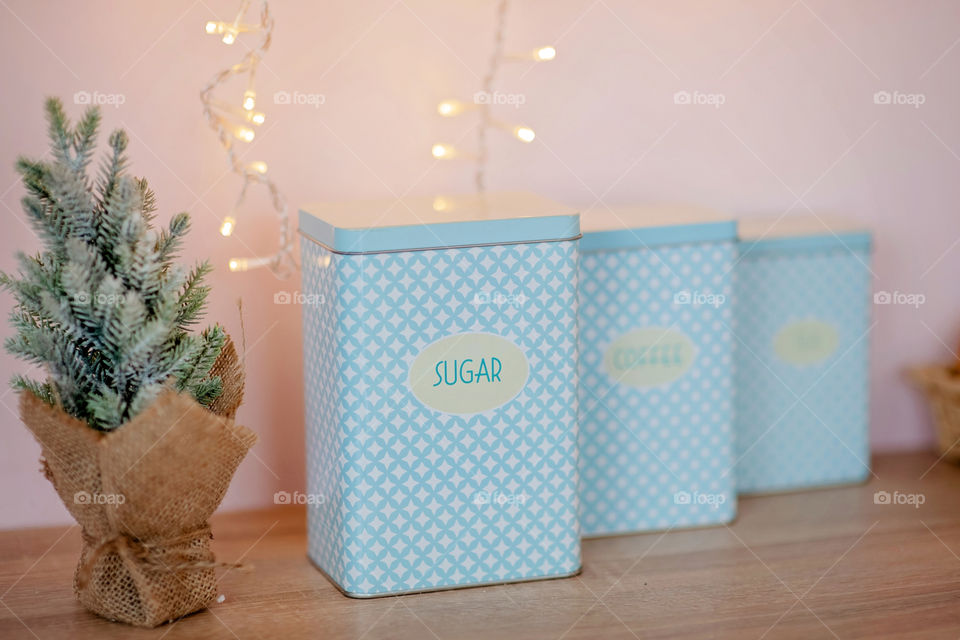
(142, 495)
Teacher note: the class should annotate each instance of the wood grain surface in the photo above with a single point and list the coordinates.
(830, 563)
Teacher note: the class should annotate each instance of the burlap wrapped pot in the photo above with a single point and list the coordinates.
(143, 494)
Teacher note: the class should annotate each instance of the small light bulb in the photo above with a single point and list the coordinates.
(211, 27)
(543, 54)
(257, 118)
(249, 100)
(259, 166)
(449, 108)
(440, 204)
(245, 264)
(442, 151)
(229, 37)
(227, 226)
(245, 134)
(324, 261)
(524, 134)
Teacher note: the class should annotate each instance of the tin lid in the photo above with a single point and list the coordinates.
(802, 233)
(649, 225)
(409, 224)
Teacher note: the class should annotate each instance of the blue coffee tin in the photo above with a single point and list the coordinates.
(656, 403)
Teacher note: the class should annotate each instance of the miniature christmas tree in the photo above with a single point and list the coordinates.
(104, 308)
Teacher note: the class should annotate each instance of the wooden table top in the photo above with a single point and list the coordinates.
(830, 563)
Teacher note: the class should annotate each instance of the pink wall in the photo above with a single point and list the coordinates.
(798, 128)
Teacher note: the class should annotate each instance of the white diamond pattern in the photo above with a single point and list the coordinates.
(824, 439)
(400, 479)
(642, 448)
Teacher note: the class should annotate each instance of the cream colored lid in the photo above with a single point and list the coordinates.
(644, 226)
(616, 218)
(791, 226)
(372, 226)
(441, 209)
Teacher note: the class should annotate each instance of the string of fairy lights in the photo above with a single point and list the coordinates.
(237, 124)
(485, 99)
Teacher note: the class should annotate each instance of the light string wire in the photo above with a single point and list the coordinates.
(231, 126)
(486, 99)
(487, 90)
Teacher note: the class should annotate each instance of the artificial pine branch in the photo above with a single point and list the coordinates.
(103, 308)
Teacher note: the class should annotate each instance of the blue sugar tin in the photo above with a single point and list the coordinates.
(656, 405)
(803, 320)
(440, 363)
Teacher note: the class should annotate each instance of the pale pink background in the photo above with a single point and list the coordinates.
(798, 128)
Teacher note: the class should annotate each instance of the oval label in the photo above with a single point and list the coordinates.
(649, 357)
(806, 342)
(468, 373)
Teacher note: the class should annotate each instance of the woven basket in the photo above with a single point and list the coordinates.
(941, 385)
